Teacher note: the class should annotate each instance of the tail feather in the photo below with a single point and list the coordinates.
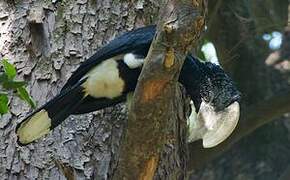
(50, 115)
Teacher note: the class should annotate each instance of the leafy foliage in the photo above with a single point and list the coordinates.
(8, 83)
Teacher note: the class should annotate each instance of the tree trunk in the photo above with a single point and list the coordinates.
(47, 41)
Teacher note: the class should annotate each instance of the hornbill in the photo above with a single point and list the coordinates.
(112, 72)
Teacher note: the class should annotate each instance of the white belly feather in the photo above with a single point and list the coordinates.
(104, 80)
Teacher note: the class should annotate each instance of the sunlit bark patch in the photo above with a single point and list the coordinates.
(152, 89)
(169, 58)
(150, 168)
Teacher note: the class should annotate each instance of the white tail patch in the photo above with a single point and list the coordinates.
(133, 62)
(34, 128)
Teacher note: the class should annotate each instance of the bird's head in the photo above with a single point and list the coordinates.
(216, 105)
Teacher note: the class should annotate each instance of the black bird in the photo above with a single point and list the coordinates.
(112, 72)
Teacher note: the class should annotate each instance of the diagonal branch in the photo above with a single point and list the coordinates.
(153, 110)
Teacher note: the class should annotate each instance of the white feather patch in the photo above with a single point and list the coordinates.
(35, 127)
(104, 80)
(133, 62)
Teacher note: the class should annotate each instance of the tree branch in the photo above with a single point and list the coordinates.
(152, 115)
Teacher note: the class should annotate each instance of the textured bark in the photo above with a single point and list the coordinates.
(153, 121)
(47, 40)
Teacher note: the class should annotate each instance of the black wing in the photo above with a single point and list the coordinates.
(136, 40)
(90, 104)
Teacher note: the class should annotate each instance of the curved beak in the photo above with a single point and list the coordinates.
(211, 126)
(217, 125)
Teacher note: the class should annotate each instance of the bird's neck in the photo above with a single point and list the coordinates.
(191, 76)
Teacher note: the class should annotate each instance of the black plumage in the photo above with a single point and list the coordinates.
(138, 41)
(202, 81)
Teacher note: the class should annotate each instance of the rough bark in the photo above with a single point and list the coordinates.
(47, 40)
(154, 118)
(46, 50)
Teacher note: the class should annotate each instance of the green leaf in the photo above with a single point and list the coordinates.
(3, 78)
(13, 84)
(3, 103)
(9, 69)
(23, 94)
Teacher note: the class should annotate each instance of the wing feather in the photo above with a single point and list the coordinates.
(135, 40)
